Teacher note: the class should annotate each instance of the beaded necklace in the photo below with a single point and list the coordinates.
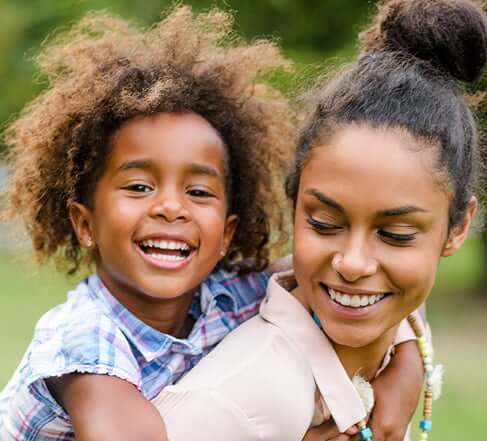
(426, 423)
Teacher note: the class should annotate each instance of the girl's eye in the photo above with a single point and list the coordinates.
(398, 238)
(198, 193)
(138, 188)
(322, 227)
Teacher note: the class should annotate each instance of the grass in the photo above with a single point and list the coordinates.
(456, 316)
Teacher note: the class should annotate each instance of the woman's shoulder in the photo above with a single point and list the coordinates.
(254, 376)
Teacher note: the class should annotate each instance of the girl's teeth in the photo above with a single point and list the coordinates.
(166, 257)
(354, 301)
(166, 245)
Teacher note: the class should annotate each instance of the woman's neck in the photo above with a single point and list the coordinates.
(365, 360)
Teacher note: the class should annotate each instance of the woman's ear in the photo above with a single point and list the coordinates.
(81, 220)
(459, 233)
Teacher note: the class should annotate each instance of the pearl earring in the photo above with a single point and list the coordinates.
(89, 242)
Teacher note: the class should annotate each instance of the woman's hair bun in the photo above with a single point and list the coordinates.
(450, 34)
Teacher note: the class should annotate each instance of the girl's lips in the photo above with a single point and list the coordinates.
(166, 261)
(349, 311)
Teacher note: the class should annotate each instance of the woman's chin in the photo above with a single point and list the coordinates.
(352, 338)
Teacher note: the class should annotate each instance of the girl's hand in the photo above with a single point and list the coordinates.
(397, 391)
(328, 431)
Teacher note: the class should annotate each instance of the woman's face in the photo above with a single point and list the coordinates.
(371, 223)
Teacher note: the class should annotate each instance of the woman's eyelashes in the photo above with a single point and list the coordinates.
(322, 227)
(395, 238)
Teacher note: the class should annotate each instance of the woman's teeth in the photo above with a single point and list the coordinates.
(354, 301)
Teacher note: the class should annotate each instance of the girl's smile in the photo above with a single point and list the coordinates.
(371, 222)
(159, 217)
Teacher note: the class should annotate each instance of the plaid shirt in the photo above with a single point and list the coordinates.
(93, 333)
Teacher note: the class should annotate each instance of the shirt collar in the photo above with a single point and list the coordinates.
(152, 343)
(284, 310)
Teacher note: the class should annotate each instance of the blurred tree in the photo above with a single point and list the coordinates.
(314, 28)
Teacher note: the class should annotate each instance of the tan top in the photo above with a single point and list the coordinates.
(262, 380)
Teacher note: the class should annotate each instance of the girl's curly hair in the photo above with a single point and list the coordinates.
(105, 71)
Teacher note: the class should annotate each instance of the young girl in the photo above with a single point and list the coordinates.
(382, 187)
(154, 155)
(147, 153)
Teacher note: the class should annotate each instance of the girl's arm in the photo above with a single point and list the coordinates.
(105, 408)
(397, 391)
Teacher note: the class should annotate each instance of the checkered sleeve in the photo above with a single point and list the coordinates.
(65, 341)
(248, 291)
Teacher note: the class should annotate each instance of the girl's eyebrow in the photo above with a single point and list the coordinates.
(207, 170)
(144, 164)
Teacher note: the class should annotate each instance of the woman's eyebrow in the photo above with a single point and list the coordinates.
(389, 212)
(400, 211)
(326, 200)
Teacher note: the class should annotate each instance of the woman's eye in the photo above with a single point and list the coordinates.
(198, 193)
(395, 237)
(322, 227)
(138, 188)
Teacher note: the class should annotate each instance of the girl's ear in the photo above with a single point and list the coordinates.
(231, 224)
(459, 233)
(81, 220)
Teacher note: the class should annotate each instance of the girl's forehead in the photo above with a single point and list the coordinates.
(168, 138)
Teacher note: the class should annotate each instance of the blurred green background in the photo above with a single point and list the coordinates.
(310, 31)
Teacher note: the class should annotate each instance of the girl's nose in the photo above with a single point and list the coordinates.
(354, 264)
(171, 209)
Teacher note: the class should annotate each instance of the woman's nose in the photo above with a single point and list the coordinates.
(354, 262)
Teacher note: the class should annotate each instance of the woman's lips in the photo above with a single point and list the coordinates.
(353, 305)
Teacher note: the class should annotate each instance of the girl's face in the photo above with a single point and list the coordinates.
(371, 223)
(159, 220)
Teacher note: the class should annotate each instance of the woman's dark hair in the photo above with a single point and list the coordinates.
(104, 72)
(408, 75)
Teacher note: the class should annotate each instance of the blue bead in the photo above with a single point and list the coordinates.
(425, 425)
(365, 434)
(316, 319)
